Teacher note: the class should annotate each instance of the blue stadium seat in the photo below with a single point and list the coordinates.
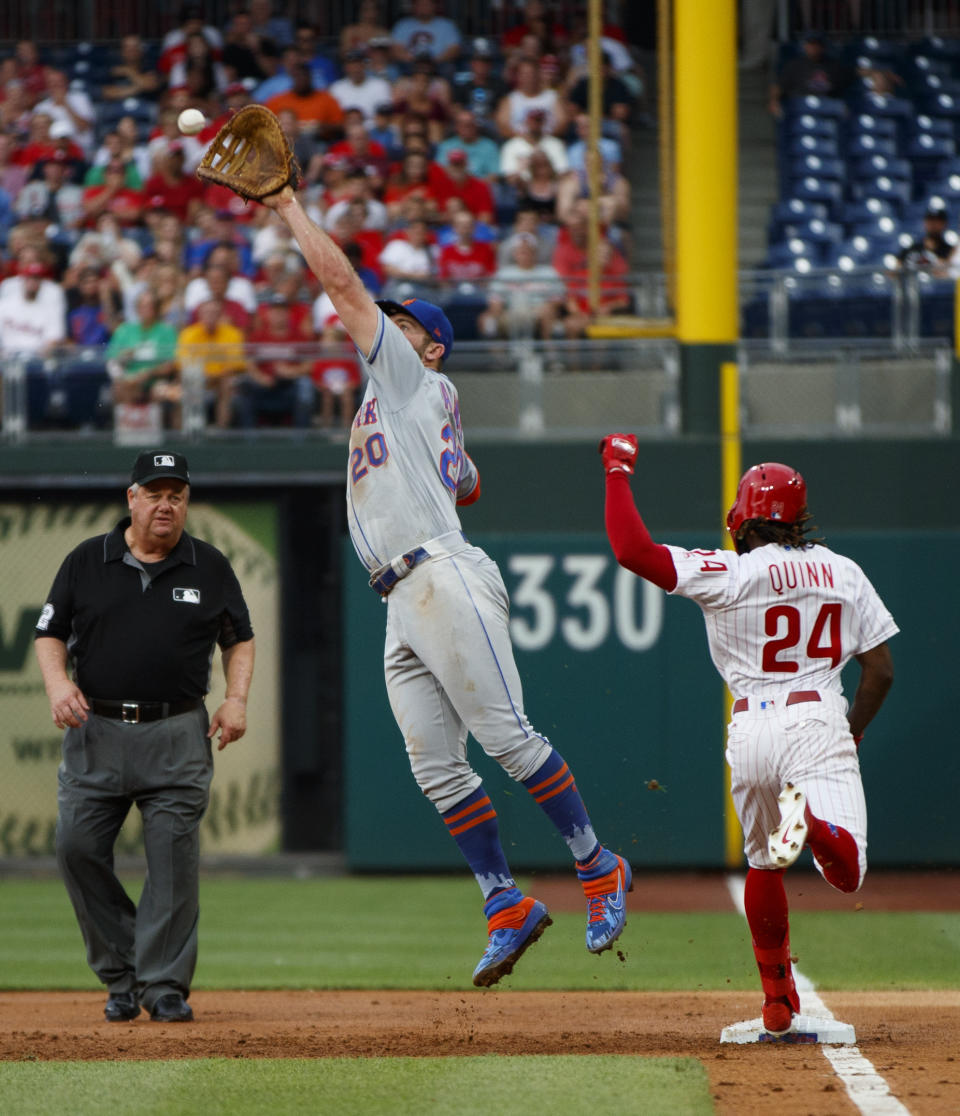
(462, 309)
(933, 125)
(866, 144)
(925, 145)
(932, 158)
(912, 216)
(894, 190)
(819, 166)
(85, 384)
(798, 209)
(879, 227)
(821, 107)
(883, 107)
(889, 52)
(874, 165)
(143, 111)
(873, 124)
(933, 84)
(944, 105)
(948, 167)
(866, 210)
(38, 394)
(808, 124)
(755, 318)
(824, 190)
(806, 143)
(937, 299)
(948, 189)
(937, 47)
(787, 252)
(814, 231)
(861, 251)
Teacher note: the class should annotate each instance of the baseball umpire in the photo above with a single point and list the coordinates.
(784, 614)
(138, 612)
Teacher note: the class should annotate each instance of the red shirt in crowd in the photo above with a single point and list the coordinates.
(433, 189)
(337, 371)
(126, 205)
(161, 193)
(614, 292)
(299, 329)
(476, 195)
(222, 199)
(235, 313)
(459, 262)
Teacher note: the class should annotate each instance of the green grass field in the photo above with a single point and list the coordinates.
(383, 932)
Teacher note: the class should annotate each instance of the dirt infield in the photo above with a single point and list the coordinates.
(911, 1038)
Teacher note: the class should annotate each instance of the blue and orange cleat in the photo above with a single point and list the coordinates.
(605, 879)
(512, 931)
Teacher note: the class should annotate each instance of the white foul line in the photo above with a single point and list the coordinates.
(865, 1087)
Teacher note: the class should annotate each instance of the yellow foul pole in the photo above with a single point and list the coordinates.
(705, 76)
(731, 468)
(705, 96)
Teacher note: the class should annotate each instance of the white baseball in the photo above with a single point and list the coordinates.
(191, 121)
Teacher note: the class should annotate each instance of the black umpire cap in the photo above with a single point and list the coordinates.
(153, 465)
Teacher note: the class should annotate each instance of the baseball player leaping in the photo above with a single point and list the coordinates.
(448, 657)
(783, 616)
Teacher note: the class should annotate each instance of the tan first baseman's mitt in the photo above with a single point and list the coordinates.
(250, 154)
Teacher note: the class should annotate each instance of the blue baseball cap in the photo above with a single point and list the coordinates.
(431, 317)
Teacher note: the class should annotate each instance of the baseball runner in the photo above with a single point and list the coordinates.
(449, 662)
(783, 615)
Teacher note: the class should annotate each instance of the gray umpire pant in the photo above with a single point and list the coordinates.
(165, 767)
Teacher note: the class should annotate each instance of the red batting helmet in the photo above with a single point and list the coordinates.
(769, 491)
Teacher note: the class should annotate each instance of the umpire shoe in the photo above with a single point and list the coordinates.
(605, 879)
(121, 1006)
(787, 840)
(512, 931)
(171, 1008)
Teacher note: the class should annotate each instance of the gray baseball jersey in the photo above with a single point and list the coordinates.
(448, 657)
(781, 624)
(407, 466)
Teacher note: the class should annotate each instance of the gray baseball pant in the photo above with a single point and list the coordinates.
(165, 767)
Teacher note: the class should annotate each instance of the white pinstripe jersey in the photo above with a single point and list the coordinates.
(406, 465)
(780, 617)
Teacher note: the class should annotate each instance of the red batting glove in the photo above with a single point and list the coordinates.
(619, 453)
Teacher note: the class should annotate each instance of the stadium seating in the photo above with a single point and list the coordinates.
(857, 176)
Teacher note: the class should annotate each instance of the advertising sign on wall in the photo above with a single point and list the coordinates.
(34, 540)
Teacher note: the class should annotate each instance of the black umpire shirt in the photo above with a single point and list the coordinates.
(144, 631)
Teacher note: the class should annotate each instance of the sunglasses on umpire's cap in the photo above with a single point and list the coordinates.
(154, 465)
(431, 317)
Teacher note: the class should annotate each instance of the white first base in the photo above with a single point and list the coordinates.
(803, 1029)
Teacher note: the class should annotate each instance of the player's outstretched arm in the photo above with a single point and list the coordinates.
(351, 299)
(876, 678)
(629, 538)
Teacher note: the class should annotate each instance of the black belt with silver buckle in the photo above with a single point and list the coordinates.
(137, 712)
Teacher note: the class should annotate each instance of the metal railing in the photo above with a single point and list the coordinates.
(523, 389)
(900, 19)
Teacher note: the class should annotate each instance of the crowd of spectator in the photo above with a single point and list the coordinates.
(448, 167)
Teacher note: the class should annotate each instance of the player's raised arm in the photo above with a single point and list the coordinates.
(629, 538)
(350, 297)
